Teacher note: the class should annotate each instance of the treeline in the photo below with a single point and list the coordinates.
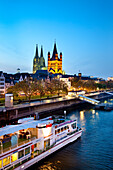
(90, 85)
(38, 87)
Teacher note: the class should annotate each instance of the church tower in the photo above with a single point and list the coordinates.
(42, 60)
(55, 62)
(38, 62)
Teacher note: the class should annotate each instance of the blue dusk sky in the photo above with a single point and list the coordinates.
(83, 30)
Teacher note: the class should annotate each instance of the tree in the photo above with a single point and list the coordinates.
(40, 88)
(49, 87)
(13, 90)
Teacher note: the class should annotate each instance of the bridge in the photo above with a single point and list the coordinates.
(88, 99)
(108, 93)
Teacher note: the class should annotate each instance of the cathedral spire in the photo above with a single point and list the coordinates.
(54, 51)
(55, 48)
(36, 50)
(41, 54)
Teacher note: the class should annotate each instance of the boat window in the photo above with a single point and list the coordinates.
(65, 128)
(61, 129)
(27, 150)
(46, 143)
(14, 157)
(0, 163)
(6, 161)
(58, 130)
(73, 125)
(35, 145)
(20, 154)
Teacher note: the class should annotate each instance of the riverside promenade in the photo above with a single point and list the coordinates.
(43, 107)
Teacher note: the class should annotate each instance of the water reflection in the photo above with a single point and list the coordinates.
(82, 115)
(93, 111)
(50, 166)
(97, 113)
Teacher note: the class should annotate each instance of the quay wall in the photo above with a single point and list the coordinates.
(8, 115)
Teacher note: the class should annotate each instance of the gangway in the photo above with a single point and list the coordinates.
(87, 99)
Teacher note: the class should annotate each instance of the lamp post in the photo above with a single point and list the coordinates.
(65, 113)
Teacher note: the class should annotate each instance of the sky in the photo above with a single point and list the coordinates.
(83, 30)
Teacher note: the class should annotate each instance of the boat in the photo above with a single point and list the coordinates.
(29, 141)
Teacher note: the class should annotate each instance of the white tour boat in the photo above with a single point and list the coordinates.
(28, 142)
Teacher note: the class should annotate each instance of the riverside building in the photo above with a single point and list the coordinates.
(2, 84)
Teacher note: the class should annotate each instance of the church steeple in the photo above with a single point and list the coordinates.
(55, 48)
(54, 52)
(41, 54)
(36, 54)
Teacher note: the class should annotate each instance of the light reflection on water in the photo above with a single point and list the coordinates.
(81, 115)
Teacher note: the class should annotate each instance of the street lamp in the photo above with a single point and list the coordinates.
(65, 113)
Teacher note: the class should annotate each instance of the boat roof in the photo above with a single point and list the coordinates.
(30, 124)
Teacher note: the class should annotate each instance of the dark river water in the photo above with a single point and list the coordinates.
(94, 150)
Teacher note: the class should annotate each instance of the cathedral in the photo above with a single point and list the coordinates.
(55, 62)
(38, 62)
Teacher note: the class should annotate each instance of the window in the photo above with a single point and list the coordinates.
(73, 125)
(46, 143)
(61, 129)
(58, 130)
(14, 157)
(20, 154)
(65, 128)
(35, 145)
(1, 83)
(1, 87)
(6, 161)
(27, 150)
(0, 163)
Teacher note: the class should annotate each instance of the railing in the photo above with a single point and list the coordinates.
(27, 158)
(70, 133)
(5, 149)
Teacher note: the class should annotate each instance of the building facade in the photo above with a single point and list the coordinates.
(38, 62)
(55, 62)
(2, 84)
(110, 78)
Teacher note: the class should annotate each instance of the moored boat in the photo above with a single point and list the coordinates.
(26, 143)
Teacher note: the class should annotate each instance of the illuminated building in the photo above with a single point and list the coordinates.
(110, 78)
(38, 62)
(55, 63)
(2, 84)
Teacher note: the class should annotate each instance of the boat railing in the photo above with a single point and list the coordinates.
(28, 157)
(77, 130)
(5, 149)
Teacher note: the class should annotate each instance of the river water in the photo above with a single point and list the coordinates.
(94, 150)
